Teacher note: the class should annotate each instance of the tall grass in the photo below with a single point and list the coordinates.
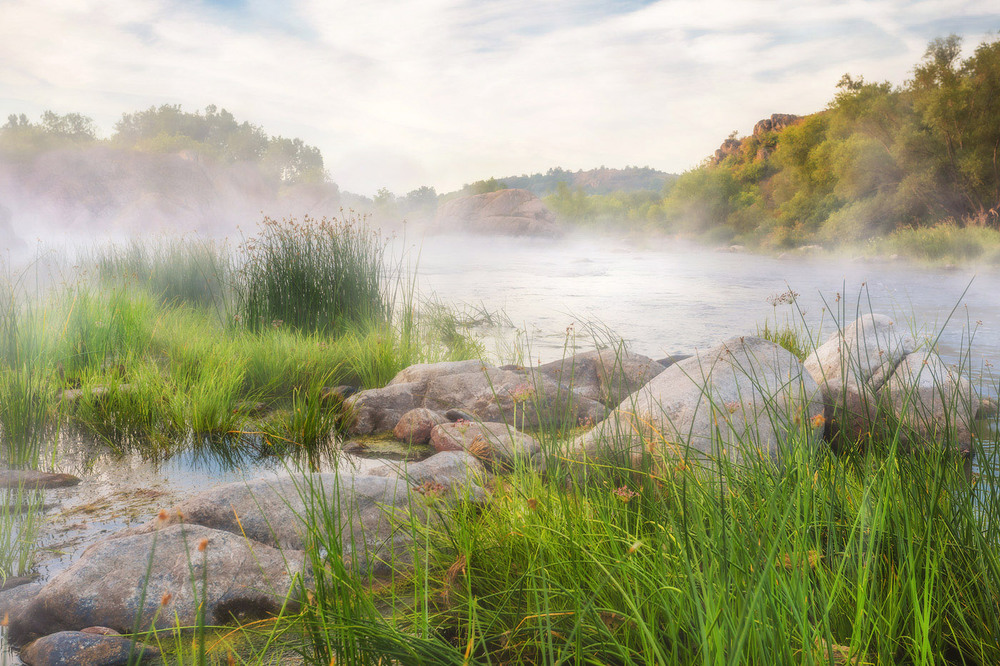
(313, 275)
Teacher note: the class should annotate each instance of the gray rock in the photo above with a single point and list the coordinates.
(851, 368)
(932, 401)
(76, 647)
(459, 415)
(526, 400)
(746, 398)
(17, 581)
(29, 478)
(608, 375)
(458, 471)
(14, 600)
(371, 513)
(501, 446)
(157, 580)
(415, 426)
(379, 410)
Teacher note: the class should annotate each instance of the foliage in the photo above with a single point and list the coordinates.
(881, 158)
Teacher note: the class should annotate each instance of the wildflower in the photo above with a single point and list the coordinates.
(634, 547)
(532, 503)
(818, 420)
(165, 599)
(162, 515)
(624, 494)
(202, 545)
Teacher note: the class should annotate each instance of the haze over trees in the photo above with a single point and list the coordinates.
(162, 168)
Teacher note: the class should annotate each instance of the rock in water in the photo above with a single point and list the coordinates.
(75, 647)
(745, 399)
(29, 478)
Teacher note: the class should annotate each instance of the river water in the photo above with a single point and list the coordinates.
(664, 297)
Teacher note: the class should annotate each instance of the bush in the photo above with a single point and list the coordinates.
(317, 275)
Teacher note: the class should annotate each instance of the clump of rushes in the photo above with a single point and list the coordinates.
(314, 275)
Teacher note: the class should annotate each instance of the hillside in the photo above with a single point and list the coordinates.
(881, 159)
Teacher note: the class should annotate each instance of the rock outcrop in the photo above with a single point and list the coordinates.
(776, 123)
(504, 212)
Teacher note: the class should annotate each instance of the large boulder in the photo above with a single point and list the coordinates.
(744, 399)
(510, 212)
(371, 512)
(606, 375)
(852, 366)
(415, 426)
(932, 402)
(518, 397)
(158, 580)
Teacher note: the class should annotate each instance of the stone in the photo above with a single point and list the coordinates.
(29, 478)
(379, 410)
(458, 471)
(487, 393)
(745, 399)
(607, 375)
(459, 415)
(157, 580)
(499, 445)
(987, 408)
(17, 581)
(77, 647)
(415, 426)
(513, 212)
(934, 403)
(372, 513)
(851, 367)
(14, 600)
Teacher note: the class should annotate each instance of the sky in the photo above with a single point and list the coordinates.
(405, 93)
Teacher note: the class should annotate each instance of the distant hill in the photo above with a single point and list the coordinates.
(592, 181)
(162, 171)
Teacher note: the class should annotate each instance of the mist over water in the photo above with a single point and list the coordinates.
(665, 297)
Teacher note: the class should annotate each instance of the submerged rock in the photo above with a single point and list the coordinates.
(746, 399)
(157, 580)
(77, 647)
(29, 478)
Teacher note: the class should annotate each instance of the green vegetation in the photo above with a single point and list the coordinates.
(916, 162)
(214, 135)
(873, 555)
(154, 343)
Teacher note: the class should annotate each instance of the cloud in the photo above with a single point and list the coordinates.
(443, 92)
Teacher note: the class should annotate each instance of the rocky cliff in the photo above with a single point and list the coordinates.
(505, 212)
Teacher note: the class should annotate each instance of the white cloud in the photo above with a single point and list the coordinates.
(443, 92)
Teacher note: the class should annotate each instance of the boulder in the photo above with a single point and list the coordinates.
(745, 399)
(606, 375)
(415, 426)
(158, 580)
(498, 444)
(522, 398)
(371, 513)
(29, 478)
(77, 647)
(456, 470)
(14, 600)
(931, 401)
(511, 212)
(851, 368)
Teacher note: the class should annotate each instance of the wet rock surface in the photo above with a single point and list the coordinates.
(27, 478)
(76, 647)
